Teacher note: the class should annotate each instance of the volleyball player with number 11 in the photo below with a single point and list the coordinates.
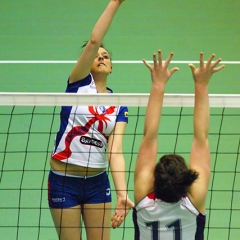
(169, 196)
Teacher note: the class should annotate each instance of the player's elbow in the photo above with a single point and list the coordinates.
(201, 136)
(201, 141)
(114, 154)
(150, 135)
(93, 41)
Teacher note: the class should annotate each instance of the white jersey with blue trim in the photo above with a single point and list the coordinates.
(155, 219)
(84, 130)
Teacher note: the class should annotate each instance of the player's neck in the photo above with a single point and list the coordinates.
(101, 86)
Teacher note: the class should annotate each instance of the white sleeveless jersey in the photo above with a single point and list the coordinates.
(84, 130)
(157, 220)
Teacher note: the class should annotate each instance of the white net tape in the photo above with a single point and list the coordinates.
(75, 99)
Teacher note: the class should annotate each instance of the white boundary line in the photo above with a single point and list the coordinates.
(121, 99)
(114, 61)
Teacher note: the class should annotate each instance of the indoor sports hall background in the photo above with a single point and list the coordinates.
(39, 43)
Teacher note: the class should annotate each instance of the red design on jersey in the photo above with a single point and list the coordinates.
(151, 195)
(82, 130)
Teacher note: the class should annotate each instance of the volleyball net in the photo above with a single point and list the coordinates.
(29, 122)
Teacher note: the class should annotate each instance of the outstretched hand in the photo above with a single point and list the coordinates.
(205, 70)
(159, 69)
(121, 210)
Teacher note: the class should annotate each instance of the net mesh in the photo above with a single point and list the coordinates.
(30, 121)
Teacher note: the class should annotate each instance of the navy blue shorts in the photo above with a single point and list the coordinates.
(67, 192)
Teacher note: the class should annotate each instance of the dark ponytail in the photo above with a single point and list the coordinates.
(172, 178)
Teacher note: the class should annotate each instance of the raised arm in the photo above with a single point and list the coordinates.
(200, 154)
(146, 159)
(84, 63)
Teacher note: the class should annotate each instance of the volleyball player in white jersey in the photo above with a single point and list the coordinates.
(169, 196)
(78, 183)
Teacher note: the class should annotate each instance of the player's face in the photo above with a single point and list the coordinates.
(102, 62)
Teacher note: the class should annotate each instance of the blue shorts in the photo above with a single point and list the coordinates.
(70, 191)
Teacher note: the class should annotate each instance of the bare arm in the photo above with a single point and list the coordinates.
(146, 159)
(200, 154)
(117, 165)
(84, 63)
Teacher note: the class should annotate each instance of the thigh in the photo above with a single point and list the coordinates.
(63, 191)
(97, 220)
(67, 222)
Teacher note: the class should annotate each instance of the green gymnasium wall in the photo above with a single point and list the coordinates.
(55, 30)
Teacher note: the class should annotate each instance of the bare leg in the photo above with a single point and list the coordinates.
(67, 222)
(97, 220)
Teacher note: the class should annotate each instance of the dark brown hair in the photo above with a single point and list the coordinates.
(172, 178)
(102, 46)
